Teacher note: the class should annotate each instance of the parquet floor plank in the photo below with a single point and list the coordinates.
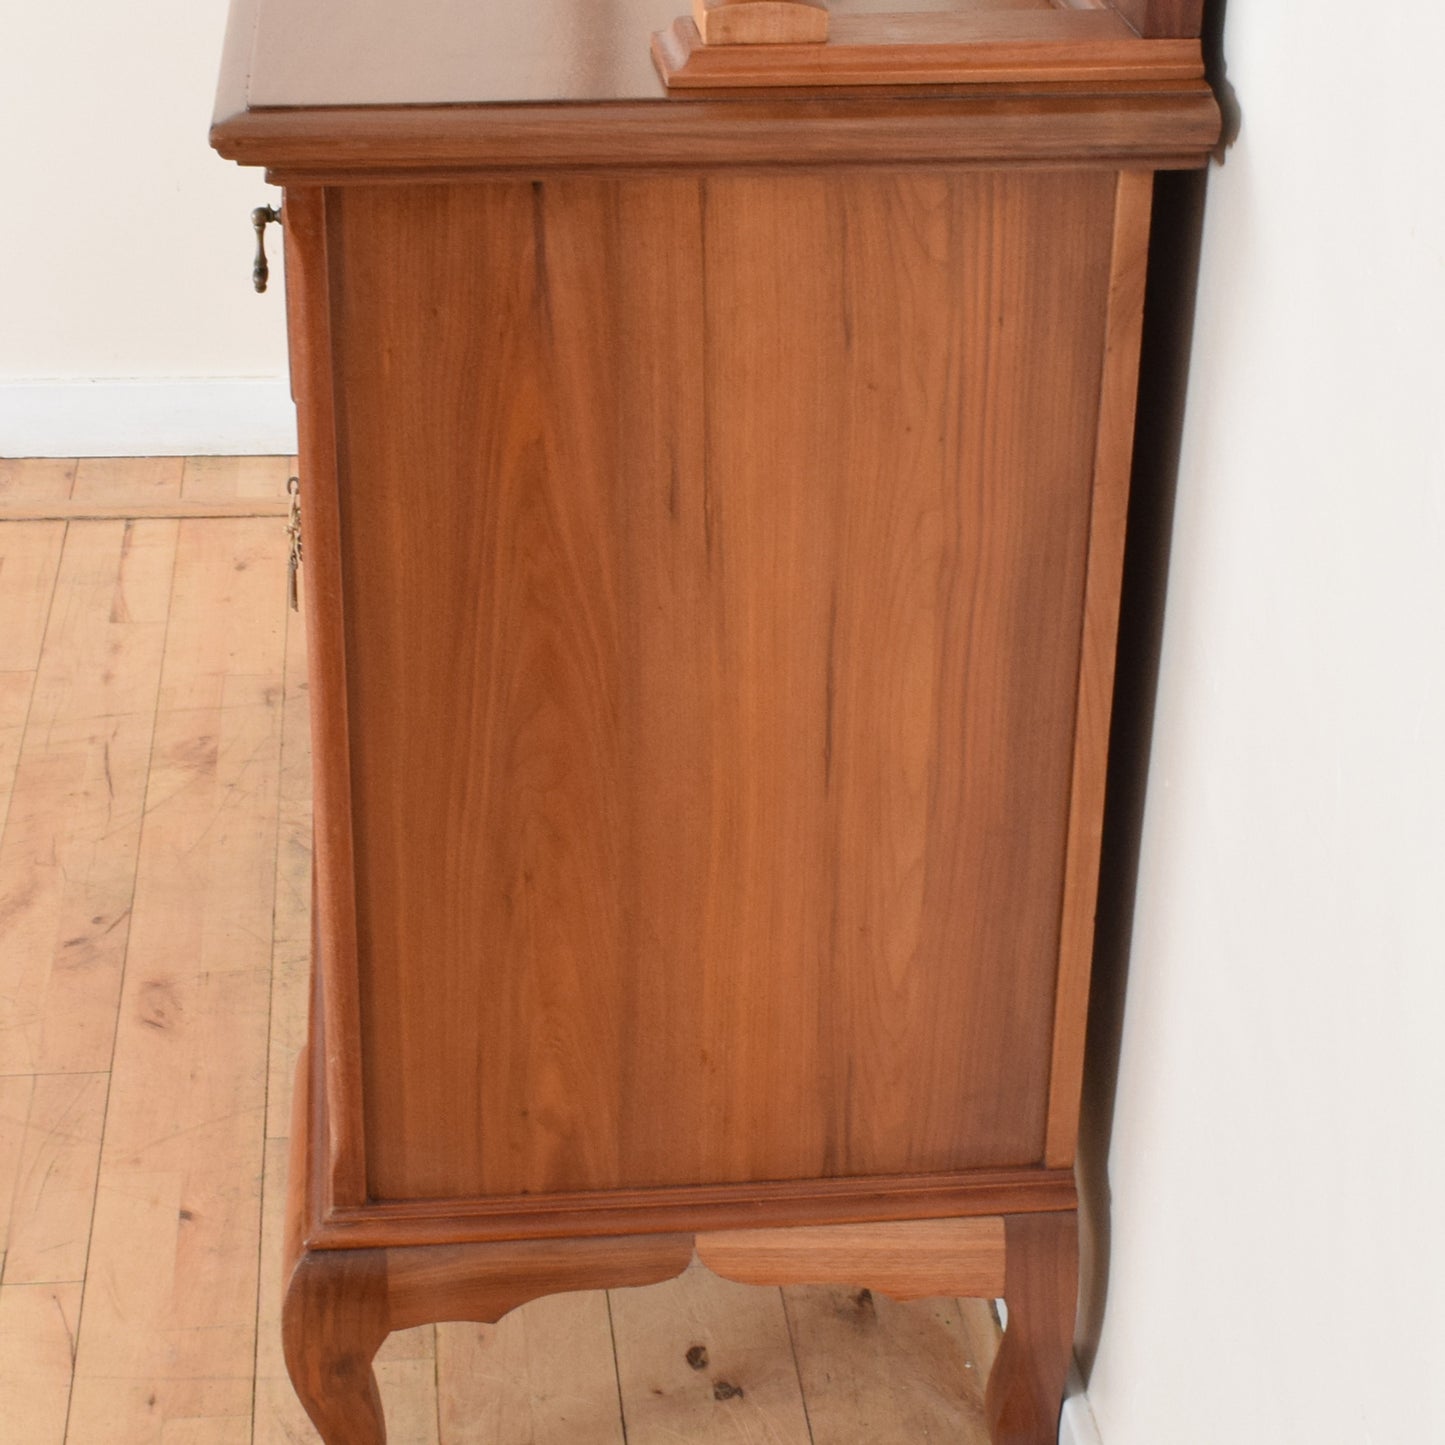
(29, 560)
(877, 1372)
(236, 479)
(128, 481)
(25, 481)
(37, 1354)
(708, 1361)
(68, 851)
(544, 1375)
(55, 1180)
(168, 1323)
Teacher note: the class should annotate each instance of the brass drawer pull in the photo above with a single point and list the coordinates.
(262, 217)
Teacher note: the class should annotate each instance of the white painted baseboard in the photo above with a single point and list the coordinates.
(164, 417)
(1077, 1426)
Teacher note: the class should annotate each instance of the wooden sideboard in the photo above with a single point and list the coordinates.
(714, 501)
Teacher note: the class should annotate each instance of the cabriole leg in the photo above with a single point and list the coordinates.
(341, 1304)
(333, 1321)
(1026, 1386)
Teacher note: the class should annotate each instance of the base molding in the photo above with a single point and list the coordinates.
(151, 417)
(342, 1302)
(383, 1224)
(340, 1305)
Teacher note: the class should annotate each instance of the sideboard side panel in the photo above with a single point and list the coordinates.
(714, 553)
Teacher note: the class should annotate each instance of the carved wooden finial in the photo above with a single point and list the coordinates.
(761, 22)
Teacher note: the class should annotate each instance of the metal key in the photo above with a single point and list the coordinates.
(293, 533)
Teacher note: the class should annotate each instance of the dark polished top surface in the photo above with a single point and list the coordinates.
(444, 52)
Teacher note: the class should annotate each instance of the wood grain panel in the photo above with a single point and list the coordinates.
(906, 1259)
(501, 951)
(966, 396)
(714, 682)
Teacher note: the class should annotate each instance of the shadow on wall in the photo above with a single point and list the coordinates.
(1163, 377)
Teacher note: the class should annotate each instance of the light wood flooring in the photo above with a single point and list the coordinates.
(154, 868)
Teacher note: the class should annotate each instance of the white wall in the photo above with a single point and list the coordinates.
(125, 241)
(1278, 1162)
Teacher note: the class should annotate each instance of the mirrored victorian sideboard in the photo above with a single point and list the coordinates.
(715, 435)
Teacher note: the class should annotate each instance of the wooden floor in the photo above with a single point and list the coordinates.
(154, 869)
